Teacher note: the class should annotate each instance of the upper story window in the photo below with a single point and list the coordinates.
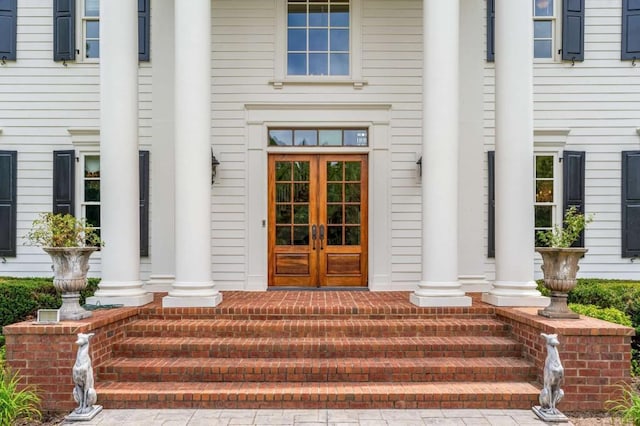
(318, 37)
(544, 28)
(90, 44)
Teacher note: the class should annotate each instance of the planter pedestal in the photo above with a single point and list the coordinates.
(560, 268)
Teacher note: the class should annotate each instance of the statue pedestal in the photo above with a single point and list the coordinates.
(558, 417)
(85, 417)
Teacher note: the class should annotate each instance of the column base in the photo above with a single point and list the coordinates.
(474, 284)
(191, 301)
(137, 300)
(440, 301)
(159, 283)
(498, 300)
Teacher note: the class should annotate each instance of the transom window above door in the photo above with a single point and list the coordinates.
(318, 37)
(318, 137)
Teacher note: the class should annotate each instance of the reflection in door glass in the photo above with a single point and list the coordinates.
(352, 236)
(283, 171)
(283, 235)
(301, 235)
(352, 171)
(334, 171)
(334, 235)
(301, 171)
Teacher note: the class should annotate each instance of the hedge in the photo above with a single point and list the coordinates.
(20, 298)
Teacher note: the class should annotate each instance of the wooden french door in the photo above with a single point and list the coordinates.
(317, 220)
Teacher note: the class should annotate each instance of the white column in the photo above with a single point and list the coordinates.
(162, 154)
(119, 164)
(514, 284)
(193, 285)
(471, 196)
(440, 285)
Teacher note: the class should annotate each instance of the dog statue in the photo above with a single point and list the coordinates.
(551, 393)
(83, 392)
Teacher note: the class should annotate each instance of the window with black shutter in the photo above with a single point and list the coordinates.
(630, 203)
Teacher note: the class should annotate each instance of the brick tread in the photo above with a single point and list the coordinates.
(316, 370)
(318, 347)
(310, 327)
(317, 395)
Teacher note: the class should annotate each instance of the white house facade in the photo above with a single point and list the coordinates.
(413, 145)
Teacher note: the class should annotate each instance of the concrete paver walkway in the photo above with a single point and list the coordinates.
(325, 417)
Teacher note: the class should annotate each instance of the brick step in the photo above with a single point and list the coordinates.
(515, 395)
(318, 347)
(316, 328)
(316, 370)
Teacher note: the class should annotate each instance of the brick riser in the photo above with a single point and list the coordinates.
(317, 370)
(318, 395)
(306, 328)
(321, 347)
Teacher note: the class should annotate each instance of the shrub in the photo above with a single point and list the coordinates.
(16, 403)
(613, 315)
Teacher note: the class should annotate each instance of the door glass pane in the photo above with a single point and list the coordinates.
(352, 191)
(352, 236)
(301, 192)
(283, 235)
(334, 171)
(301, 214)
(301, 235)
(301, 171)
(352, 214)
(334, 235)
(283, 192)
(283, 171)
(334, 214)
(334, 192)
(283, 214)
(352, 171)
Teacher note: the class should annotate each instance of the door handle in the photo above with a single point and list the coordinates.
(321, 237)
(314, 232)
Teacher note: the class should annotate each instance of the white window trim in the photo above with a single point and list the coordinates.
(281, 78)
(556, 28)
(81, 46)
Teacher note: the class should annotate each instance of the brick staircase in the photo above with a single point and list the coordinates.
(332, 354)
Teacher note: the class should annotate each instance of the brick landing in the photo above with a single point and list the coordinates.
(322, 350)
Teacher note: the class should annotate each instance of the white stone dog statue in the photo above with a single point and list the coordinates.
(551, 393)
(83, 392)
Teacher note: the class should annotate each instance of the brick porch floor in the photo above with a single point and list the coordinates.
(336, 349)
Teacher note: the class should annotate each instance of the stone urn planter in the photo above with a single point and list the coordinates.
(70, 242)
(70, 267)
(560, 267)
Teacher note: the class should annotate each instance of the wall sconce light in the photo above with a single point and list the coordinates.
(419, 164)
(214, 167)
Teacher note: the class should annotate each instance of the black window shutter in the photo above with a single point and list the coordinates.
(8, 29)
(144, 203)
(8, 202)
(573, 30)
(573, 167)
(144, 30)
(64, 30)
(630, 203)
(64, 166)
(491, 19)
(630, 30)
(491, 239)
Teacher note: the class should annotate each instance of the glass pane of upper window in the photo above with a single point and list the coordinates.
(91, 7)
(330, 137)
(305, 137)
(543, 7)
(542, 29)
(92, 49)
(355, 138)
(93, 29)
(318, 39)
(280, 137)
